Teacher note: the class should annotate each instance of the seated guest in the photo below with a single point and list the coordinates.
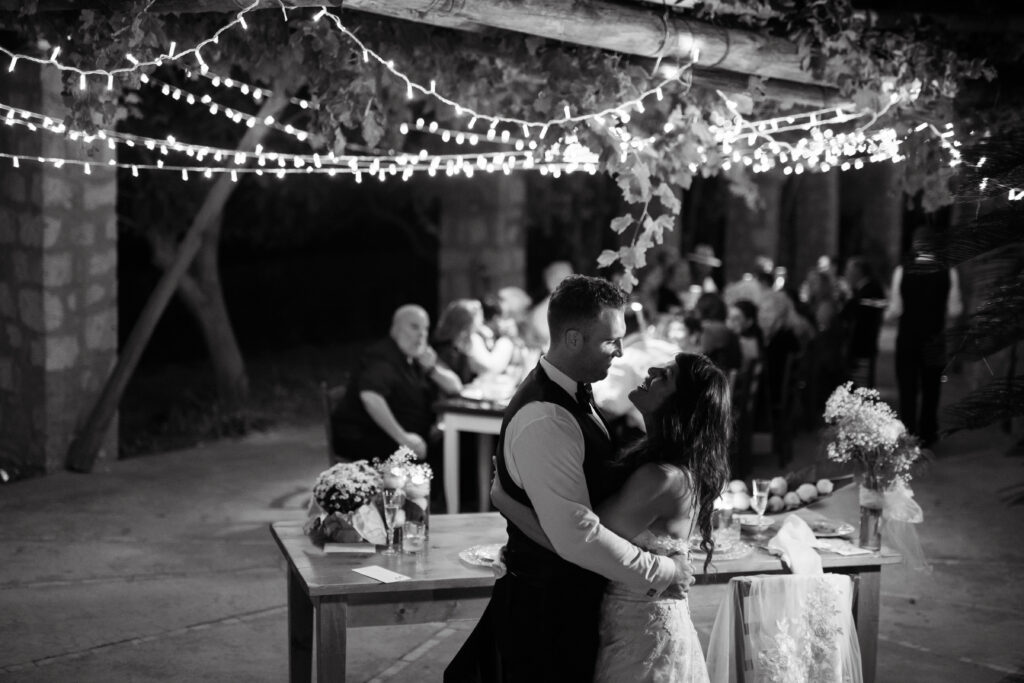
(390, 399)
(742, 320)
(466, 345)
(717, 341)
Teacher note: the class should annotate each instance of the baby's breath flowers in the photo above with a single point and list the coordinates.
(867, 431)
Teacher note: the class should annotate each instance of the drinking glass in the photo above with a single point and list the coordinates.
(759, 500)
(413, 537)
(393, 500)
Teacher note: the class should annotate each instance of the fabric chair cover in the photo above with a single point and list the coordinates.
(786, 629)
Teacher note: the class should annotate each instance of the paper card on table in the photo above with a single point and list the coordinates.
(381, 574)
(350, 548)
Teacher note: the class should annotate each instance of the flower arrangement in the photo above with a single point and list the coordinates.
(346, 487)
(400, 470)
(342, 503)
(868, 432)
(344, 507)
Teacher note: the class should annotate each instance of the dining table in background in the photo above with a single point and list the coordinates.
(479, 417)
(326, 597)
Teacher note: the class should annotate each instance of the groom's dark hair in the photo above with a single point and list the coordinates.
(579, 300)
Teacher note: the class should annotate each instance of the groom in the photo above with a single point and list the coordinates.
(555, 455)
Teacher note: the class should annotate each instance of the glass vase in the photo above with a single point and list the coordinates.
(870, 518)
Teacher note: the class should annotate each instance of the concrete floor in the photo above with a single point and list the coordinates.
(162, 569)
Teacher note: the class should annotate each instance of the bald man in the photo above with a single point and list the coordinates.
(390, 398)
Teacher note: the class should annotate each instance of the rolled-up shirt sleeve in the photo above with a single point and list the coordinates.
(544, 454)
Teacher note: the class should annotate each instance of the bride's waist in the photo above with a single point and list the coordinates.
(621, 592)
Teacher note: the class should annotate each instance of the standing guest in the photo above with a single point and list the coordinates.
(538, 335)
(390, 400)
(555, 456)
(862, 316)
(466, 345)
(925, 293)
(742, 319)
(703, 263)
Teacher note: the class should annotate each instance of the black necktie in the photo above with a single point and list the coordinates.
(584, 395)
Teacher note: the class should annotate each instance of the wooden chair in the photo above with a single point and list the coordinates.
(330, 399)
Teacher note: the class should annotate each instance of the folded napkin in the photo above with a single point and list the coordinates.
(795, 542)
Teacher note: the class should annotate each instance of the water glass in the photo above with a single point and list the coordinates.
(414, 537)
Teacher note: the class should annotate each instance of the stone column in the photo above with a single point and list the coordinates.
(814, 230)
(483, 237)
(872, 215)
(58, 282)
(750, 233)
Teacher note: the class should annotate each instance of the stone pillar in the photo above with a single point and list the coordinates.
(814, 230)
(871, 209)
(58, 282)
(483, 236)
(750, 233)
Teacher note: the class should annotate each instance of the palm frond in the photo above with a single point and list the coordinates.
(997, 323)
(1000, 399)
(986, 233)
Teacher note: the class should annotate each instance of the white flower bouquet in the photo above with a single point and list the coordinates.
(867, 431)
(342, 508)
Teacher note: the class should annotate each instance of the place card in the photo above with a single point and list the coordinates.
(350, 548)
(381, 574)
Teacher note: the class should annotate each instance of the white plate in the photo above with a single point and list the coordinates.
(755, 522)
(481, 555)
(730, 552)
(830, 528)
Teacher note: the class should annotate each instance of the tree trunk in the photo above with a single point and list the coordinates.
(201, 292)
(82, 454)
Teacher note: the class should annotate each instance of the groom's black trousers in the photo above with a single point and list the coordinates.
(540, 625)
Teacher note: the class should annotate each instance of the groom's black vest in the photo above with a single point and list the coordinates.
(522, 555)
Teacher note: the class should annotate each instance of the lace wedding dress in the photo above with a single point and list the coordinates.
(649, 639)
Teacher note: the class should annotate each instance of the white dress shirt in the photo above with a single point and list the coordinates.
(543, 451)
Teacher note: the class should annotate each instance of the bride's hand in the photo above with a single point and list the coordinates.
(684, 572)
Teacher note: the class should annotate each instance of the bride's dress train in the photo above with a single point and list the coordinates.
(649, 639)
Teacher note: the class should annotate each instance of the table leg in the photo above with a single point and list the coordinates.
(484, 452)
(451, 468)
(300, 631)
(331, 623)
(866, 615)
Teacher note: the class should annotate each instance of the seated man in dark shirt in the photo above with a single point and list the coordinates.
(390, 399)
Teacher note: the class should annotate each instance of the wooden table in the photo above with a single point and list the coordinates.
(325, 596)
(467, 415)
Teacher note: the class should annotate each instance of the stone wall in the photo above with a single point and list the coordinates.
(483, 236)
(58, 283)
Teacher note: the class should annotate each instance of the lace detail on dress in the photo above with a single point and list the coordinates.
(645, 638)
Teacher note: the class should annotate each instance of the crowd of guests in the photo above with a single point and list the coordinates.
(784, 345)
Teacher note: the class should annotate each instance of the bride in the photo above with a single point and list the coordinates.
(670, 480)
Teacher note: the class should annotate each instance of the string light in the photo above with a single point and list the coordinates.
(136, 64)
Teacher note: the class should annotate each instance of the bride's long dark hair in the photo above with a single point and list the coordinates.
(692, 431)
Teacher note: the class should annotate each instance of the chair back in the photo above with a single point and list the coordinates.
(767, 625)
(330, 399)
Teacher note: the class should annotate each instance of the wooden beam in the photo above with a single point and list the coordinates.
(628, 29)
